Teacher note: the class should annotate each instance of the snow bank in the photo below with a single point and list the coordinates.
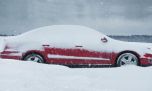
(30, 76)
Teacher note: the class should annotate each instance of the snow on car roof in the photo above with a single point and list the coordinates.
(62, 33)
(62, 36)
(72, 29)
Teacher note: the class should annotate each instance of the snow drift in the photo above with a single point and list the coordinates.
(30, 76)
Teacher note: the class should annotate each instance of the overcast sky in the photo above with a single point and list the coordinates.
(112, 17)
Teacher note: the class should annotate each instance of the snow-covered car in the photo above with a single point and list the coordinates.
(74, 45)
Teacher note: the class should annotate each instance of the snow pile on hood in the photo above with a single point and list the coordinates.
(29, 76)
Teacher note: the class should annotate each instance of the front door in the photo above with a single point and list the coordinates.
(78, 55)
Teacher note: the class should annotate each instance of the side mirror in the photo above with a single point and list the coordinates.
(104, 40)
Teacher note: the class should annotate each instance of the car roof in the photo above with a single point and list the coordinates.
(67, 29)
(61, 33)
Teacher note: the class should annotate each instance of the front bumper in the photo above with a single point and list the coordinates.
(146, 60)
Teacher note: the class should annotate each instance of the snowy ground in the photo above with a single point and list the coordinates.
(30, 76)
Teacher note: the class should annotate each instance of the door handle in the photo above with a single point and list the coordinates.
(78, 46)
(46, 45)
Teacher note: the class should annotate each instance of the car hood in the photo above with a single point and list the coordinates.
(141, 45)
(140, 48)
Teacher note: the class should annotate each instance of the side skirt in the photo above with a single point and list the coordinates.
(91, 66)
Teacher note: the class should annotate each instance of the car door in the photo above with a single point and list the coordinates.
(76, 52)
(92, 52)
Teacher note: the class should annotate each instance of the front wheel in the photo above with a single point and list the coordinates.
(127, 58)
(34, 57)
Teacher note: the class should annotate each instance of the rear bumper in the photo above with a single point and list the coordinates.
(11, 55)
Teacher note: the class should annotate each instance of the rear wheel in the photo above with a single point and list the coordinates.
(34, 57)
(127, 58)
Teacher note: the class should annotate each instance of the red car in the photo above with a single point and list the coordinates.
(74, 45)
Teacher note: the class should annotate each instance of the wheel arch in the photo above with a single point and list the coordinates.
(128, 51)
(34, 52)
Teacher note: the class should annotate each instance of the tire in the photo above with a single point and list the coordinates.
(126, 59)
(34, 57)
